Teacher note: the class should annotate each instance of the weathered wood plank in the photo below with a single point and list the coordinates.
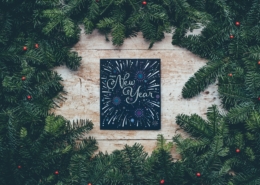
(83, 90)
(177, 66)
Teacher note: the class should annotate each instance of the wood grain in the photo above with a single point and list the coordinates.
(177, 66)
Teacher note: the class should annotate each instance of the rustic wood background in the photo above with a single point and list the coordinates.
(177, 66)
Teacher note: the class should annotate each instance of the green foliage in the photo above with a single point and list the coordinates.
(120, 167)
(162, 144)
(54, 125)
(207, 151)
(239, 92)
(201, 79)
(128, 166)
(161, 165)
(34, 143)
(124, 18)
(226, 55)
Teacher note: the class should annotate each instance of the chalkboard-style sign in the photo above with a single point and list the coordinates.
(130, 94)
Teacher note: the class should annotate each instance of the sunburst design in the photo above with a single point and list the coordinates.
(130, 94)
(140, 76)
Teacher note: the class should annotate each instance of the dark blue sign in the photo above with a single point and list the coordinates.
(130, 94)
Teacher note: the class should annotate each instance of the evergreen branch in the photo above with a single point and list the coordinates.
(209, 43)
(68, 27)
(217, 150)
(214, 116)
(132, 4)
(186, 146)
(8, 56)
(118, 34)
(33, 58)
(110, 3)
(105, 23)
(249, 177)
(77, 129)
(252, 84)
(201, 79)
(239, 113)
(56, 17)
(86, 146)
(93, 11)
(253, 13)
(194, 125)
(73, 60)
(253, 123)
(231, 97)
(102, 165)
(5, 27)
(134, 157)
(89, 26)
(162, 145)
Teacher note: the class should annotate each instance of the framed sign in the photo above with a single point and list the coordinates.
(130, 94)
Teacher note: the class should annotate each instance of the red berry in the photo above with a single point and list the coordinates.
(29, 97)
(237, 150)
(25, 48)
(144, 3)
(231, 36)
(198, 174)
(19, 166)
(162, 181)
(36, 46)
(23, 78)
(237, 23)
(89, 184)
(56, 172)
(230, 74)
(258, 62)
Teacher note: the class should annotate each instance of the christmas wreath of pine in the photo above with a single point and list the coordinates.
(38, 147)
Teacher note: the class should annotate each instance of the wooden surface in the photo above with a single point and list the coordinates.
(177, 66)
